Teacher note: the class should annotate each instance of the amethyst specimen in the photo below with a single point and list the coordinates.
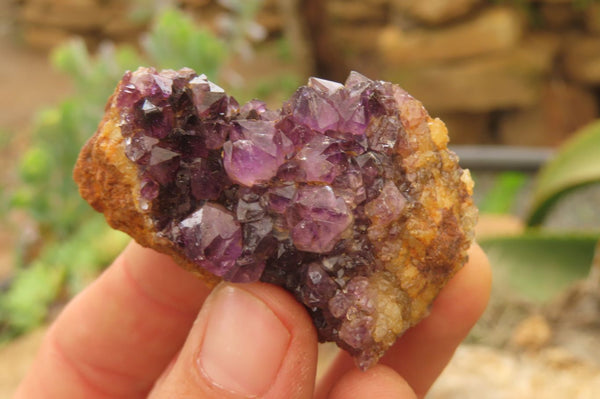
(347, 196)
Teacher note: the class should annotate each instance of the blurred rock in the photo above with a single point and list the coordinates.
(532, 334)
(43, 37)
(558, 15)
(357, 41)
(270, 20)
(478, 372)
(512, 78)
(467, 128)
(582, 60)
(493, 30)
(433, 11)
(563, 108)
(592, 18)
(370, 11)
(79, 15)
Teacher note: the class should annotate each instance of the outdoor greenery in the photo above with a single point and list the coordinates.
(576, 165)
(538, 264)
(501, 198)
(75, 241)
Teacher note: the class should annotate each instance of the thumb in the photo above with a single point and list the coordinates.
(250, 340)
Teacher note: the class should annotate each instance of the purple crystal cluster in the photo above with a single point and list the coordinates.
(286, 196)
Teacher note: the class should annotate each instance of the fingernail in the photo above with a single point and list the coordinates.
(244, 343)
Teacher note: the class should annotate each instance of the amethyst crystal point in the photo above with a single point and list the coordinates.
(212, 238)
(317, 219)
(347, 196)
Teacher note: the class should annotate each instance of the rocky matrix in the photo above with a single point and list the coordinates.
(347, 196)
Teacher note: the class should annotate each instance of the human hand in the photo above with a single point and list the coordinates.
(145, 328)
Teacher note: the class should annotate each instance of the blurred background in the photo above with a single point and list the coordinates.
(516, 81)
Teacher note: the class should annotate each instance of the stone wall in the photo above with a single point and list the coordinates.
(494, 73)
(46, 23)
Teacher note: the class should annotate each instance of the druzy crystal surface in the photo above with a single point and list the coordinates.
(346, 196)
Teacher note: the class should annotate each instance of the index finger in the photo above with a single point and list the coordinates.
(117, 336)
(421, 354)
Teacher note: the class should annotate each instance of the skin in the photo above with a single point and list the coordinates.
(144, 329)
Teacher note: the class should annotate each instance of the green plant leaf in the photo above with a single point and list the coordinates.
(502, 196)
(35, 166)
(538, 266)
(176, 42)
(577, 163)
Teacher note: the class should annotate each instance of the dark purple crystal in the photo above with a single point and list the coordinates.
(212, 238)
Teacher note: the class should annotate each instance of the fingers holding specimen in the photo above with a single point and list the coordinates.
(253, 340)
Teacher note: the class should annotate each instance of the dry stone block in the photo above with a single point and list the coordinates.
(513, 78)
(592, 18)
(373, 11)
(44, 37)
(493, 30)
(467, 128)
(433, 11)
(356, 39)
(558, 15)
(79, 15)
(582, 60)
(563, 109)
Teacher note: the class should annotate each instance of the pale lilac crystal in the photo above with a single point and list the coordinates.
(253, 109)
(317, 219)
(247, 164)
(325, 87)
(350, 186)
(356, 79)
(322, 159)
(280, 197)
(388, 206)
(151, 84)
(265, 137)
(311, 108)
(298, 134)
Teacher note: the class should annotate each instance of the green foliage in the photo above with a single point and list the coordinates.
(538, 266)
(284, 49)
(240, 26)
(62, 269)
(175, 42)
(577, 163)
(280, 86)
(502, 196)
(48, 192)
(583, 4)
(77, 242)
